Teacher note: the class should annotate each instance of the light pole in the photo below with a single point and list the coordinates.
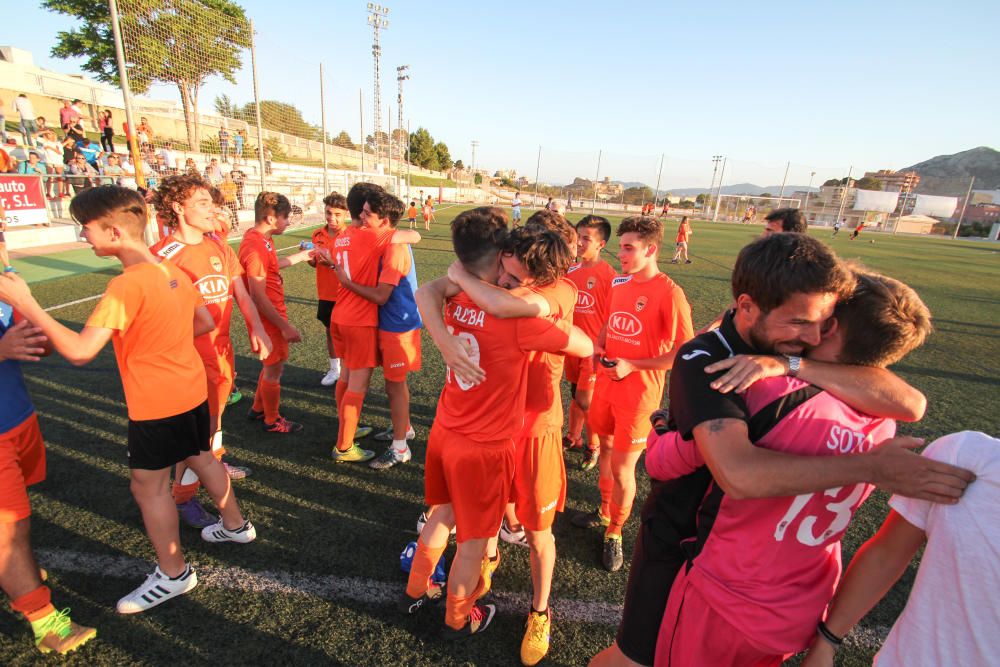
(805, 206)
(475, 145)
(401, 76)
(378, 21)
(715, 168)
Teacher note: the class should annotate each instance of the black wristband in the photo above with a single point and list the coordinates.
(825, 633)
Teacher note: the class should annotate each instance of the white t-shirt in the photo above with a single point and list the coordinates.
(515, 203)
(952, 616)
(168, 158)
(24, 107)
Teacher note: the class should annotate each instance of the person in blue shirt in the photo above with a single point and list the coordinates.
(22, 464)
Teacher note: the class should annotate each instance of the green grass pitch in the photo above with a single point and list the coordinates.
(316, 586)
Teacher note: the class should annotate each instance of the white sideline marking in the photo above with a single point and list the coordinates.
(354, 589)
(328, 586)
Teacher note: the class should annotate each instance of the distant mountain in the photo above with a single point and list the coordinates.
(737, 189)
(950, 174)
(744, 189)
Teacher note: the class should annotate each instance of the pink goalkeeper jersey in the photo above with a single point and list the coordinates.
(770, 565)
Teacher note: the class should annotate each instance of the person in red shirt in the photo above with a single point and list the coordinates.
(683, 235)
(327, 283)
(151, 313)
(184, 204)
(470, 457)
(649, 318)
(262, 275)
(592, 277)
(356, 257)
(531, 266)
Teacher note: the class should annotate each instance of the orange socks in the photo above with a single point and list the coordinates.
(270, 398)
(456, 612)
(605, 484)
(348, 413)
(619, 515)
(339, 392)
(424, 561)
(34, 605)
(258, 402)
(184, 492)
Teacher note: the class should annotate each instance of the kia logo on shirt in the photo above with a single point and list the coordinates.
(584, 300)
(213, 288)
(624, 324)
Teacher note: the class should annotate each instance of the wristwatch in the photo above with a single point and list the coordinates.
(794, 364)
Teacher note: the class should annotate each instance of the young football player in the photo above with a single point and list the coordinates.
(327, 283)
(151, 313)
(262, 267)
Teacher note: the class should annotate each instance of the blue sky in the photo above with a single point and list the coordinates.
(821, 85)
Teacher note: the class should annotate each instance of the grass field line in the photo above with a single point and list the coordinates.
(326, 586)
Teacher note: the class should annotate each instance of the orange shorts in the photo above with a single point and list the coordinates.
(400, 353)
(357, 346)
(539, 480)
(580, 371)
(279, 346)
(221, 374)
(22, 463)
(629, 426)
(474, 477)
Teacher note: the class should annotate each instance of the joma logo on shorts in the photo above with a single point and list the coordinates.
(624, 324)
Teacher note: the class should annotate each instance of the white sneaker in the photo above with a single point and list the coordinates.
(386, 435)
(219, 533)
(422, 521)
(331, 377)
(509, 536)
(157, 588)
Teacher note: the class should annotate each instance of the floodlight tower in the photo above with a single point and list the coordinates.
(377, 20)
(401, 76)
(475, 145)
(715, 168)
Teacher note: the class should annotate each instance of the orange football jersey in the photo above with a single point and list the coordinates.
(543, 411)
(358, 250)
(593, 286)
(327, 283)
(645, 319)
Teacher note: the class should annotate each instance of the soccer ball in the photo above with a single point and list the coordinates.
(406, 562)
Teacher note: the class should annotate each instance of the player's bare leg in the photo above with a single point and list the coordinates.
(542, 546)
(19, 572)
(216, 482)
(151, 490)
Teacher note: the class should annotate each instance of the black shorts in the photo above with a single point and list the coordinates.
(324, 309)
(155, 444)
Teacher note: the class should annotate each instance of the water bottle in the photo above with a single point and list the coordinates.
(306, 245)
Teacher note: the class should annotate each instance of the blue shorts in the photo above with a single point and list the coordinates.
(516, 214)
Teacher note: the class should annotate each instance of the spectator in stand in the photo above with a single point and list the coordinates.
(224, 144)
(28, 124)
(68, 116)
(3, 124)
(144, 133)
(42, 128)
(81, 174)
(267, 160)
(53, 165)
(107, 131)
(169, 160)
(190, 167)
(213, 172)
(238, 140)
(240, 179)
(228, 189)
(113, 171)
(33, 166)
(92, 151)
